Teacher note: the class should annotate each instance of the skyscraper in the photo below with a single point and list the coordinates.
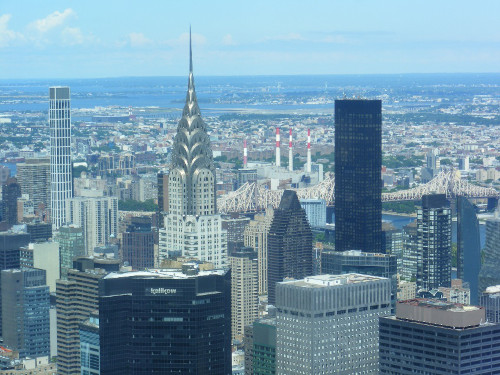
(61, 184)
(438, 338)
(234, 224)
(468, 247)
(192, 226)
(43, 256)
(166, 321)
(289, 246)
(315, 211)
(25, 312)
(11, 191)
(355, 261)
(90, 357)
(10, 244)
(261, 347)
(328, 324)
(434, 242)
(490, 299)
(39, 231)
(138, 245)
(244, 290)
(162, 183)
(410, 252)
(77, 298)
(255, 236)
(358, 165)
(71, 245)
(392, 242)
(489, 274)
(97, 216)
(34, 177)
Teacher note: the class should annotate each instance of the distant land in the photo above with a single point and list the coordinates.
(255, 94)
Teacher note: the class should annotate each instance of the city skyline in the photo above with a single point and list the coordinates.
(71, 40)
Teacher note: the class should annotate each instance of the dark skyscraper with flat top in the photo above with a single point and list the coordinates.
(166, 322)
(358, 164)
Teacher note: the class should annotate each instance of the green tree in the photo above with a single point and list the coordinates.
(130, 205)
(77, 171)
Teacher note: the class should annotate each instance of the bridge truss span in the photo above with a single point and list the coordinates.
(252, 197)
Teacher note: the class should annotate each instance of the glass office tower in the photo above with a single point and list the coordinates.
(358, 183)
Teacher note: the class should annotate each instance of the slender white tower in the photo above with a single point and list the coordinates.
(278, 155)
(61, 183)
(308, 164)
(290, 152)
(245, 154)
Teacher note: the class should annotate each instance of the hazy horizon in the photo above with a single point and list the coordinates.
(250, 76)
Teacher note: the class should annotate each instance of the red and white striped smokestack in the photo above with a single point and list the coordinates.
(245, 153)
(290, 152)
(308, 164)
(278, 155)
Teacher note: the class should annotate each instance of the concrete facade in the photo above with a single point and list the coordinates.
(328, 324)
(255, 236)
(244, 291)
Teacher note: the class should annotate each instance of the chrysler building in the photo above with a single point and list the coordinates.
(193, 228)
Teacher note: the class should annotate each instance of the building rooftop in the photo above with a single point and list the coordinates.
(440, 305)
(492, 289)
(441, 313)
(323, 281)
(359, 253)
(163, 274)
(267, 321)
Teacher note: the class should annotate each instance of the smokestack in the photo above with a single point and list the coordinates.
(245, 154)
(290, 153)
(308, 164)
(278, 155)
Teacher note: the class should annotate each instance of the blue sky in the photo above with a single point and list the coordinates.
(108, 38)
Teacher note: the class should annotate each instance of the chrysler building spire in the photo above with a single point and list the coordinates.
(192, 155)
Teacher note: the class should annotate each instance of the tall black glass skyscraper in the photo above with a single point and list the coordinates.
(166, 322)
(358, 164)
(289, 244)
(468, 247)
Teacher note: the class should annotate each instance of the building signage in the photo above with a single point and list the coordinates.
(160, 291)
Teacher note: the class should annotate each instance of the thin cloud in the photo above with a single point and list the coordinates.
(72, 36)
(290, 37)
(7, 36)
(228, 40)
(336, 39)
(183, 40)
(53, 20)
(139, 40)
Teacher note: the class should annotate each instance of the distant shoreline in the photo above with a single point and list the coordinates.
(398, 214)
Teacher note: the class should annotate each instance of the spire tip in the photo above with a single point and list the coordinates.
(190, 52)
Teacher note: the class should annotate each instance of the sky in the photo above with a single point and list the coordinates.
(108, 38)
